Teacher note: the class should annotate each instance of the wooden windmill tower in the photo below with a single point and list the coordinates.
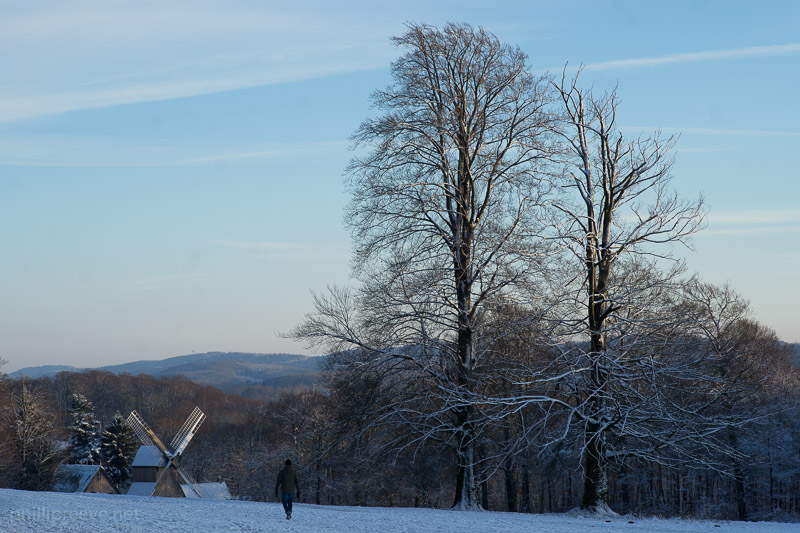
(155, 469)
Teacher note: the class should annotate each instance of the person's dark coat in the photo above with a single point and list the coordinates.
(287, 481)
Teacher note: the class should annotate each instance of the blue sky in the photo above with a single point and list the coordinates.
(171, 173)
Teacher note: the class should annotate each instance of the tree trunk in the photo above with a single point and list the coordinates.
(511, 488)
(466, 496)
(526, 487)
(738, 483)
(595, 487)
(466, 488)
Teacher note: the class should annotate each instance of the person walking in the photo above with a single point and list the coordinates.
(288, 485)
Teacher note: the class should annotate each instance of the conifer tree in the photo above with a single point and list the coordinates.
(117, 447)
(84, 431)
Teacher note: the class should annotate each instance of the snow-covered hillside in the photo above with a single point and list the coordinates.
(45, 512)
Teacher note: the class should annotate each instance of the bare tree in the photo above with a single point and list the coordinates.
(749, 362)
(33, 444)
(439, 204)
(616, 205)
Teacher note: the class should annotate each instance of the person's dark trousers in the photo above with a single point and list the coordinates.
(286, 499)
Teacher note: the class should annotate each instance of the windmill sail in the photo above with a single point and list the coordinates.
(185, 434)
(192, 483)
(145, 434)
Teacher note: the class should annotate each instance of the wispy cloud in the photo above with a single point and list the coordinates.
(87, 55)
(152, 284)
(277, 151)
(703, 150)
(754, 221)
(263, 245)
(750, 231)
(789, 215)
(52, 151)
(715, 131)
(327, 252)
(695, 57)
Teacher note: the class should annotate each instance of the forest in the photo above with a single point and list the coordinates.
(519, 334)
(244, 442)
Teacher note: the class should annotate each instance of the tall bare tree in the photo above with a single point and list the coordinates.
(33, 438)
(617, 204)
(440, 201)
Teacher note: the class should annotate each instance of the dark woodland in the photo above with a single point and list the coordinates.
(245, 441)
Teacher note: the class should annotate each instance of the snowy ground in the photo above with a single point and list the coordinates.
(44, 512)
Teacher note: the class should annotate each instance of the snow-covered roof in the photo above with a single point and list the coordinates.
(74, 478)
(142, 488)
(149, 456)
(214, 491)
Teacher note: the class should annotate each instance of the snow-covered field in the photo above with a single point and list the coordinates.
(44, 512)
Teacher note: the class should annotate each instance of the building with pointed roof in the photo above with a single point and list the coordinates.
(83, 478)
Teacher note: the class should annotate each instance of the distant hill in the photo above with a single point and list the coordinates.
(42, 371)
(246, 374)
(251, 375)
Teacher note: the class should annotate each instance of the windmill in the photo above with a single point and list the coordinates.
(165, 470)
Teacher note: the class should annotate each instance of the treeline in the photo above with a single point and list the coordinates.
(35, 432)
(529, 459)
(244, 442)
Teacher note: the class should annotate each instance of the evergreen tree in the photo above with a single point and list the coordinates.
(117, 446)
(84, 431)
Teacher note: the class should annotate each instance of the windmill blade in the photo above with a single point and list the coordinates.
(145, 434)
(188, 430)
(191, 482)
(135, 421)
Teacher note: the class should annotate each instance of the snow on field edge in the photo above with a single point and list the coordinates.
(46, 512)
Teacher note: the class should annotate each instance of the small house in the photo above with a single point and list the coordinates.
(83, 478)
